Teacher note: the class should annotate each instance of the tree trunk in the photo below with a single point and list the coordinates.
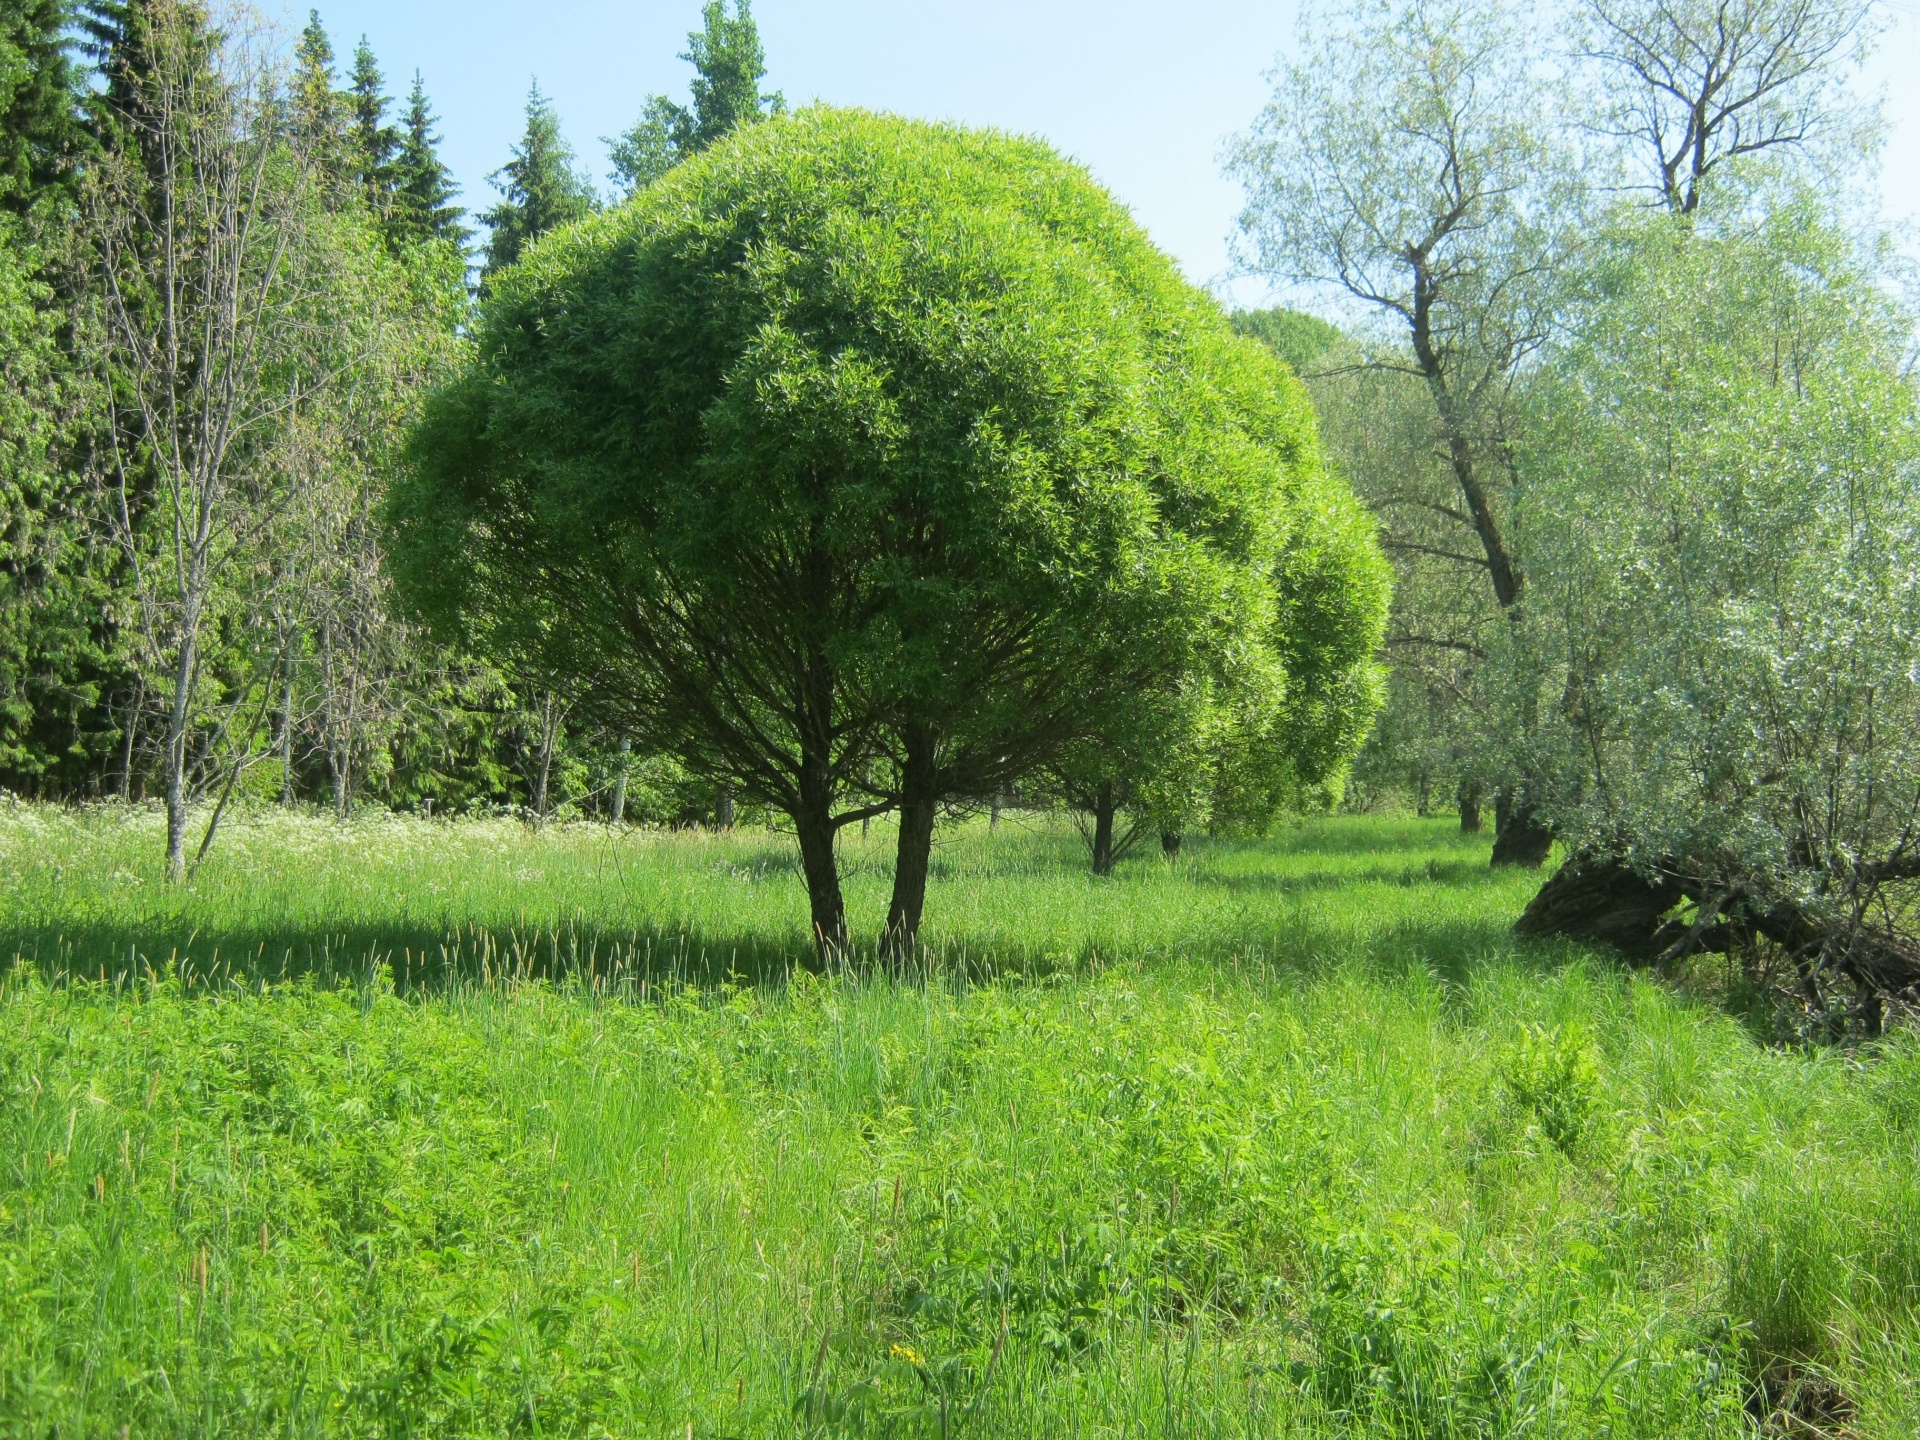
(1103, 810)
(620, 784)
(1519, 835)
(813, 825)
(543, 771)
(177, 716)
(1170, 843)
(1423, 804)
(993, 814)
(338, 759)
(919, 805)
(134, 709)
(286, 744)
(1469, 808)
(723, 810)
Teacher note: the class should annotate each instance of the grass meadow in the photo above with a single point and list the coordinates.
(409, 1128)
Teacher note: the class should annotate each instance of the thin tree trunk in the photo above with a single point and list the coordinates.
(1103, 811)
(177, 715)
(919, 805)
(544, 771)
(338, 760)
(1469, 807)
(620, 784)
(813, 825)
(993, 815)
(286, 744)
(134, 710)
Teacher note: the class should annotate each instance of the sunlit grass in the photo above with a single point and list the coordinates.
(1286, 1138)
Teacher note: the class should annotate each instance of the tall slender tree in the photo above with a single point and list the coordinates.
(540, 187)
(729, 63)
(423, 189)
(319, 111)
(376, 144)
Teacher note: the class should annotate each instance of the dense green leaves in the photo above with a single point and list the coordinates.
(854, 435)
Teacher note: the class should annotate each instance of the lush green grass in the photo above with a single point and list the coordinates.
(1286, 1138)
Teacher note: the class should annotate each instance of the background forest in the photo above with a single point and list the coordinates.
(1611, 349)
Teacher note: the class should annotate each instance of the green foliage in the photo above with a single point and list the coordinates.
(539, 188)
(41, 137)
(1145, 1191)
(1551, 1073)
(881, 434)
(728, 64)
(422, 207)
(1724, 545)
(1295, 336)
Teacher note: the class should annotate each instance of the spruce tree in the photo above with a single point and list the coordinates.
(40, 134)
(375, 143)
(728, 62)
(319, 112)
(540, 188)
(423, 191)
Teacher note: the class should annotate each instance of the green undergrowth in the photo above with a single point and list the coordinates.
(1376, 1188)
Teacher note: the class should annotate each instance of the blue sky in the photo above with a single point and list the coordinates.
(1145, 92)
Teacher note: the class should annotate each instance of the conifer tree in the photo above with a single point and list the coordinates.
(423, 191)
(540, 187)
(40, 132)
(728, 62)
(319, 112)
(375, 143)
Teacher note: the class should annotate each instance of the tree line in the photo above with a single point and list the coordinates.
(859, 467)
(229, 267)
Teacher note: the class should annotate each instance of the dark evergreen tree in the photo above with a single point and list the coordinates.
(423, 191)
(40, 88)
(376, 144)
(728, 63)
(319, 111)
(540, 187)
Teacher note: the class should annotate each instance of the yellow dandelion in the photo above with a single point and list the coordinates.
(909, 1354)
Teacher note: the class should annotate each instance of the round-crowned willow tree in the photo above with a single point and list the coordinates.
(858, 463)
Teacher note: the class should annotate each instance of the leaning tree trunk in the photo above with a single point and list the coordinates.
(919, 806)
(1103, 813)
(1600, 899)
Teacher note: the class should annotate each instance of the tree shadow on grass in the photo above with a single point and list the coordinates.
(415, 957)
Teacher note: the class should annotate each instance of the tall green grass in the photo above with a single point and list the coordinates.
(1284, 1139)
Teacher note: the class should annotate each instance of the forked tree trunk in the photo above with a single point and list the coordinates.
(919, 806)
(1103, 812)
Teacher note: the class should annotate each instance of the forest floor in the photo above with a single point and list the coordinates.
(443, 1129)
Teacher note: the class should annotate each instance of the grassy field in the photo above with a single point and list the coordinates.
(400, 1128)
